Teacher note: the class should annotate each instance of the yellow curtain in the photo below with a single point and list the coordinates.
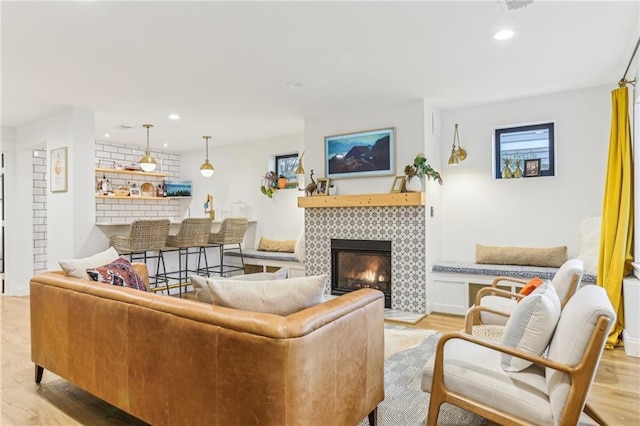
(616, 234)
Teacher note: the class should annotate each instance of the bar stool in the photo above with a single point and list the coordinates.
(145, 236)
(231, 233)
(193, 233)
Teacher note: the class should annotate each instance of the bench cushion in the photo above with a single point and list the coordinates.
(515, 271)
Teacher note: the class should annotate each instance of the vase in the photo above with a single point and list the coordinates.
(413, 184)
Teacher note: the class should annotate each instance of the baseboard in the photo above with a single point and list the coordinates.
(631, 346)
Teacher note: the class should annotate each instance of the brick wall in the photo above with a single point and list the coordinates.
(39, 178)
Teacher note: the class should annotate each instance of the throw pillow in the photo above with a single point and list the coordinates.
(589, 231)
(530, 287)
(204, 295)
(202, 290)
(280, 274)
(531, 325)
(531, 256)
(119, 272)
(299, 248)
(280, 297)
(77, 268)
(266, 244)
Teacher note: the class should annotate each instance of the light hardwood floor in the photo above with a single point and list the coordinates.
(615, 393)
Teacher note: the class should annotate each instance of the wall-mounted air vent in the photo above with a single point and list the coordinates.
(123, 127)
(508, 5)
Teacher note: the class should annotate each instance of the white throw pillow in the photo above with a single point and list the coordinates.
(280, 297)
(202, 290)
(531, 325)
(298, 250)
(589, 231)
(280, 274)
(77, 268)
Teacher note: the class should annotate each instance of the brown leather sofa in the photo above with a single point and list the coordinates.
(174, 361)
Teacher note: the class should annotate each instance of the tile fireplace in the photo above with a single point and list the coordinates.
(402, 226)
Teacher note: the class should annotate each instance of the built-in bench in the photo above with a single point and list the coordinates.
(268, 261)
(453, 285)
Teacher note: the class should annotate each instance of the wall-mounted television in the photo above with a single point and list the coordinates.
(179, 188)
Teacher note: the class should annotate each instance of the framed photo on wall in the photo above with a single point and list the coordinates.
(361, 154)
(58, 170)
(323, 186)
(532, 168)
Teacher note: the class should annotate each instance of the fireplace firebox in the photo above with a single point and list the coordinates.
(359, 264)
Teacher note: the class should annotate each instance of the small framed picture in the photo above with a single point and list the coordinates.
(135, 192)
(532, 168)
(58, 170)
(323, 186)
(398, 184)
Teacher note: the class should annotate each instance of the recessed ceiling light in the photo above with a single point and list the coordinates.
(504, 34)
(166, 145)
(174, 117)
(106, 135)
(294, 84)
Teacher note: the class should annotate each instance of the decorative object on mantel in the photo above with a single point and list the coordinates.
(398, 184)
(417, 170)
(207, 168)
(312, 187)
(323, 186)
(269, 184)
(147, 162)
(457, 153)
(300, 173)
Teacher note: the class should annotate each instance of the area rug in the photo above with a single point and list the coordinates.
(405, 404)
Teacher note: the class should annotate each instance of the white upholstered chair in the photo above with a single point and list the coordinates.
(466, 370)
(566, 281)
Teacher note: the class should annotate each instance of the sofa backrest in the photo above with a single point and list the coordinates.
(205, 364)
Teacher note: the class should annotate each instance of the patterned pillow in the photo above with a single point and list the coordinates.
(120, 272)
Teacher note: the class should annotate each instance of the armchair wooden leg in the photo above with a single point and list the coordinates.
(589, 411)
(39, 371)
(373, 417)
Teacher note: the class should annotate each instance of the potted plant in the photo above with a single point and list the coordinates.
(269, 184)
(417, 170)
(282, 182)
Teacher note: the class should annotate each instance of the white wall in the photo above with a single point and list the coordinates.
(70, 215)
(237, 177)
(534, 212)
(408, 119)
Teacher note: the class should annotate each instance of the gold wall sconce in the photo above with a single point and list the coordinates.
(457, 153)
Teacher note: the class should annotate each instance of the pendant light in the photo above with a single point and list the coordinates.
(206, 169)
(300, 173)
(147, 162)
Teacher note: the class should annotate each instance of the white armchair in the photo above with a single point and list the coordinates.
(466, 371)
(566, 281)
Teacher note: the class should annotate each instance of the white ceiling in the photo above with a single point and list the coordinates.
(223, 66)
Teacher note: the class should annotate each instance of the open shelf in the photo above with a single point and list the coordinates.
(128, 197)
(131, 172)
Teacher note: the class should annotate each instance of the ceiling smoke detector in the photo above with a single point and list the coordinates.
(508, 5)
